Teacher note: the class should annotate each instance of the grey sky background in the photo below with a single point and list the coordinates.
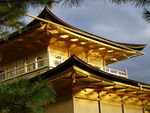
(121, 23)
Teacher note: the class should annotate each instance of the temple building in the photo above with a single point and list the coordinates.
(75, 62)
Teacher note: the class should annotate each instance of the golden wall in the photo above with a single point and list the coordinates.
(76, 105)
(85, 106)
(110, 108)
(132, 109)
(63, 51)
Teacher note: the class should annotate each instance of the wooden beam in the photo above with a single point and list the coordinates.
(124, 94)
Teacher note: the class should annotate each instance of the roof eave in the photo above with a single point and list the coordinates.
(75, 61)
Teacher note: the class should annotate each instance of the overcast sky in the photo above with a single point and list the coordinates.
(121, 23)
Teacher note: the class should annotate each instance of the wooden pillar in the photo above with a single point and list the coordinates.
(36, 63)
(143, 110)
(25, 67)
(122, 104)
(103, 58)
(87, 54)
(99, 104)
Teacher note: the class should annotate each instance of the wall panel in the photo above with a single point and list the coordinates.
(85, 106)
(129, 109)
(110, 108)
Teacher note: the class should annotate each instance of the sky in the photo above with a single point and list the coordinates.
(121, 23)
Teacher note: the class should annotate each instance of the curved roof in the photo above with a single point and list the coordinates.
(47, 14)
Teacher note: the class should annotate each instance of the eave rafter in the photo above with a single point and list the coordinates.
(83, 82)
(119, 93)
(110, 88)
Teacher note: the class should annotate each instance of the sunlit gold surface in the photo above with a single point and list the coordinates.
(87, 86)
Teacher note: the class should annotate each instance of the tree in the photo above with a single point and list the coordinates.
(137, 3)
(11, 12)
(24, 96)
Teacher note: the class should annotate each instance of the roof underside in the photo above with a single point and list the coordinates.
(85, 76)
(47, 14)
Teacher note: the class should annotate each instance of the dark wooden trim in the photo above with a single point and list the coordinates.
(99, 106)
(143, 110)
(122, 106)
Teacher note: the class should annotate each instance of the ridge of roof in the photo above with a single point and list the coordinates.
(75, 61)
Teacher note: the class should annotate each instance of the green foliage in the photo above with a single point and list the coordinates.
(137, 3)
(11, 12)
(71, 3)
(22, 96)
(146, 15)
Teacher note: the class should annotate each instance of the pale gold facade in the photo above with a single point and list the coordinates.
(72, 104)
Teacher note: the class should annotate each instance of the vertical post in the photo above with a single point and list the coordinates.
(87, 54)
(48, 53)
(103, 60)
(99, 106)
(122, 104)
(15, 70)
(25, 67)
(68, 47)
(5, 74)
(36, 63)
(140, 86)
(73, 79)
(143, 109)
(68, 52)
(87, 57)
(99, 103)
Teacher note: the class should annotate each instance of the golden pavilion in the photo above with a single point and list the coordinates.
(75, 62)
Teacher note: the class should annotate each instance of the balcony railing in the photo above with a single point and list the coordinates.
(24, 69)
(115, 72)
(50, 63)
